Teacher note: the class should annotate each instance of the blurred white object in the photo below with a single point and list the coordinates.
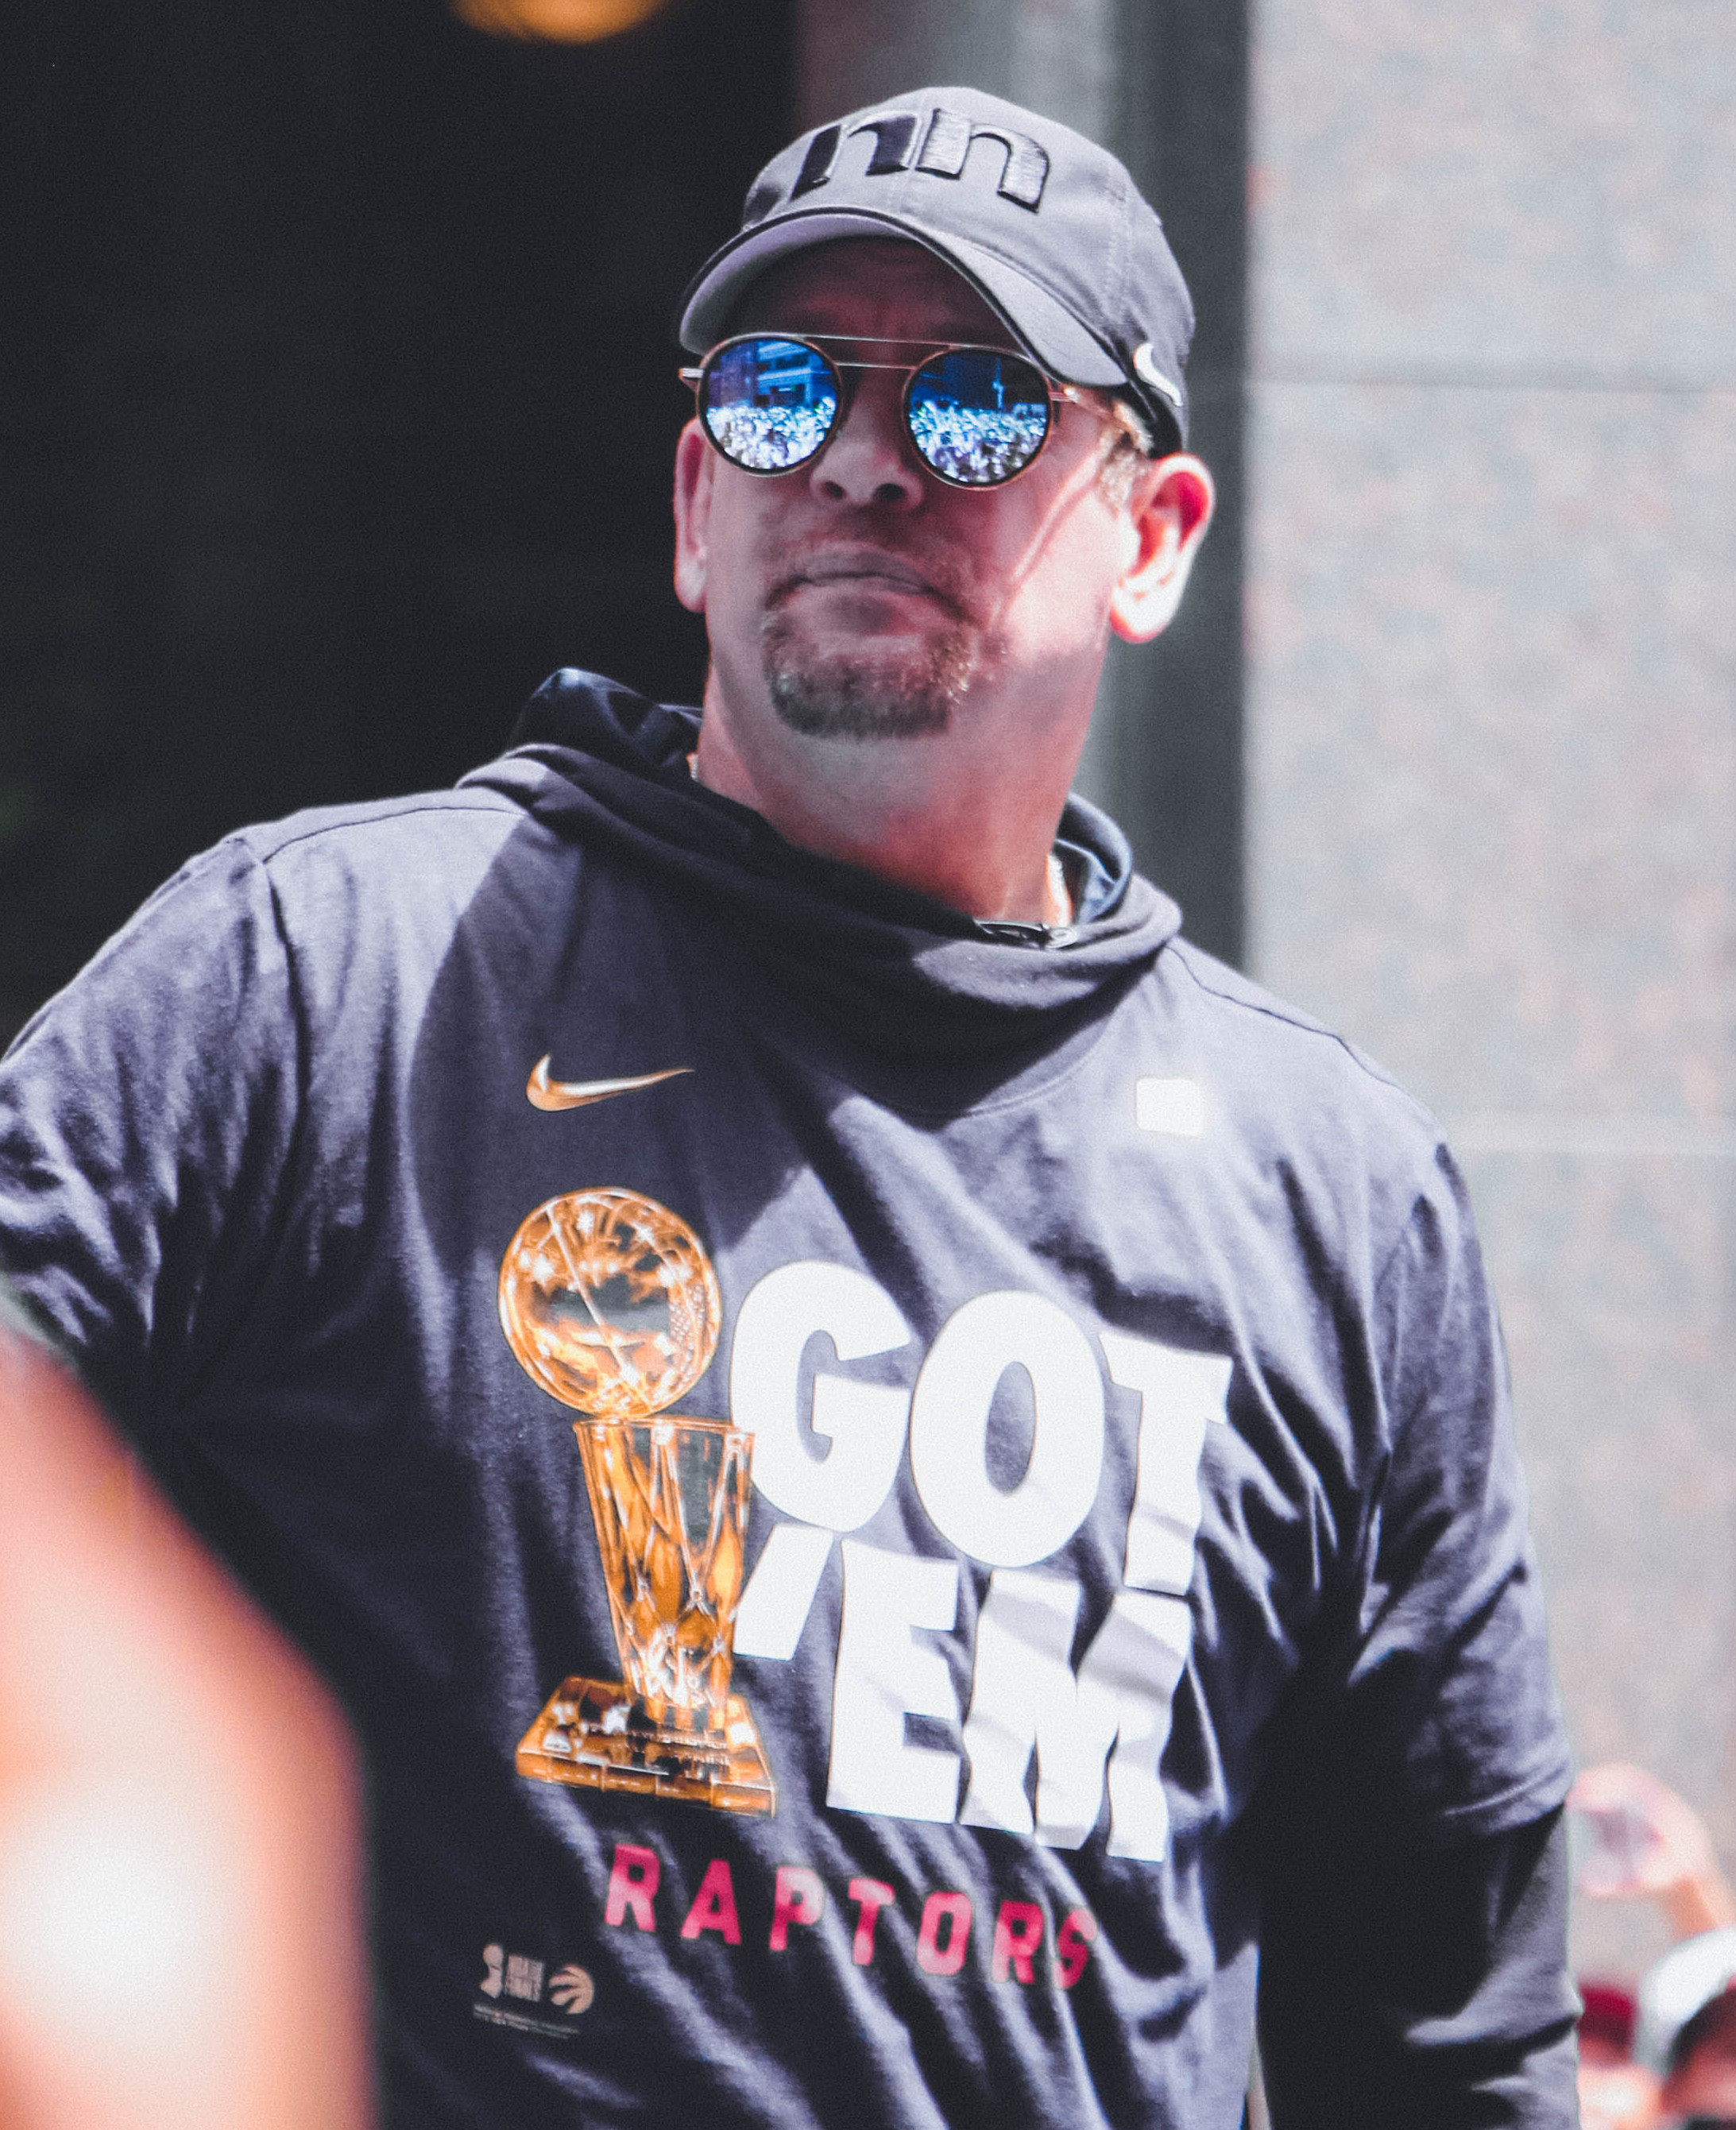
(1674, 1987)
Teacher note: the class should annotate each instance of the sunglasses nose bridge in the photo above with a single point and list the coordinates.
(870, 454)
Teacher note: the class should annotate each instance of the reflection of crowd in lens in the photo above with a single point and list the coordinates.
(974, 445)
(977, 445)
(767, 439)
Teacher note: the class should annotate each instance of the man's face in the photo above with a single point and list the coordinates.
(858, 596)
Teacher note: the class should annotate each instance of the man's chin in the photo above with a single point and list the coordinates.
(906, 690)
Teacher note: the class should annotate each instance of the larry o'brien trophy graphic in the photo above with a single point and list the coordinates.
(611, 1306)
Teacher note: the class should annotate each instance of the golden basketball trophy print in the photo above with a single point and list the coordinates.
(610, 1304)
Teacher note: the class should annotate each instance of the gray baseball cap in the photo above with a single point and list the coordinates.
(1048, 227)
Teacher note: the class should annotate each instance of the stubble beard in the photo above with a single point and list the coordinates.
(862, 695)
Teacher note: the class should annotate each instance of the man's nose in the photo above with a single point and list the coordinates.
(870, 459)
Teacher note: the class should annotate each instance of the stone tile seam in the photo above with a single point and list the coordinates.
(1614, 382)
(1520, 1131)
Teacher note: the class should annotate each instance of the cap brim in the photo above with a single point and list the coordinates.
(1045, 327)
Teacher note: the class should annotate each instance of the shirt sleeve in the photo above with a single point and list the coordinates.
(1414, 1941)
(1424, 1987)
(1432, 1672)
(145, 1120)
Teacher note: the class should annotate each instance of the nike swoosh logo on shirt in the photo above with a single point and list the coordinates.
(547, 1094)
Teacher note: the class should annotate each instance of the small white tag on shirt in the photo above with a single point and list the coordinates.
(1175, 1107)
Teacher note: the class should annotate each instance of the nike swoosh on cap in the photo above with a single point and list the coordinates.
(547, 1094)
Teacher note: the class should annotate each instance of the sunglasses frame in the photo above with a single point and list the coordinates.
(1058, 394)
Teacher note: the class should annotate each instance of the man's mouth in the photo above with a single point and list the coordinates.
(871, 568)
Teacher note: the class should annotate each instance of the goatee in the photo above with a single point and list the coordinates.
(856, 694)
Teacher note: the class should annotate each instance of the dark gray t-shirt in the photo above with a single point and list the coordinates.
(1126, 1399)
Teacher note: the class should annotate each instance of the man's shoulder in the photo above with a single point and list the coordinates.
(329, 889)
(376, 830)
(346, 869)
(1287, 1079)
(1259, 1014)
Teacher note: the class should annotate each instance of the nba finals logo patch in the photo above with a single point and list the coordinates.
(610, 1304)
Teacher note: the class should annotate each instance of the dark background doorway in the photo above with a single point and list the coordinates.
(336, 381)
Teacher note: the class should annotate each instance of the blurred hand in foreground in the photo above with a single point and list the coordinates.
(180, 1943)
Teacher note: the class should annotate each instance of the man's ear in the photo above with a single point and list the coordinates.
(1169, 509)
(696, 466)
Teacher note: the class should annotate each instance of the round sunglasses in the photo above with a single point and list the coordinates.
(976, 417)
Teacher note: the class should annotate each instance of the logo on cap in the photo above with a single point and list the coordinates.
(1147, 371)
(945, 150)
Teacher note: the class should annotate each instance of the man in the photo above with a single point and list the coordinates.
(1133, 1584)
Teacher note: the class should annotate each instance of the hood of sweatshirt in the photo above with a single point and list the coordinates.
(883, 966)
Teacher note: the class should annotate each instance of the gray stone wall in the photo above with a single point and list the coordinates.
(1491, 732)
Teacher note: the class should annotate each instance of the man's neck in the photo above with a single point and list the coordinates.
(919, 812)
(965, 817)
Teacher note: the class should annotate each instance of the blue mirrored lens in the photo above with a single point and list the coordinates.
(768, 405)
(977, 417)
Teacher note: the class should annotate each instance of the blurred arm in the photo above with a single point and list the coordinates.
(1650, 1845)
(180, 1943)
